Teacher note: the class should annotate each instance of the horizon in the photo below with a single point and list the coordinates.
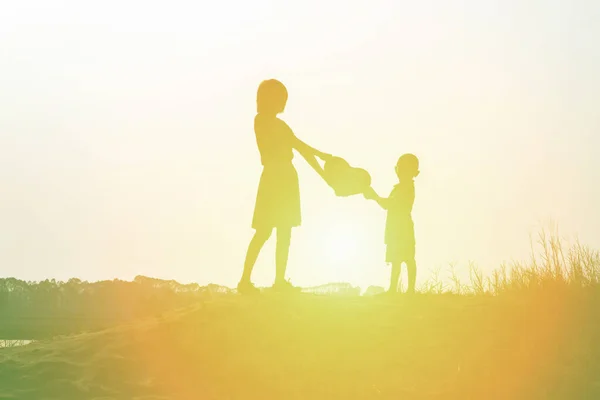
(124, 152)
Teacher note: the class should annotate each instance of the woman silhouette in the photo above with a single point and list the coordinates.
(278, 198)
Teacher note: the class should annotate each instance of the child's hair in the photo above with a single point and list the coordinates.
(271, 97)
(408, 161)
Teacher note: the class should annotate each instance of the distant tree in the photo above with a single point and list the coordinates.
(373, 290)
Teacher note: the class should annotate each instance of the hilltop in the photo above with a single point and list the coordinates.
(542, 344)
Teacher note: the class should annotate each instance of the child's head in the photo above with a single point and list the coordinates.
(271, 97)
(407, 166)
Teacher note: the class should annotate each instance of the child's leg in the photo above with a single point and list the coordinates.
(258, 241)
(284, 237)
(411, 266)
(395, 277)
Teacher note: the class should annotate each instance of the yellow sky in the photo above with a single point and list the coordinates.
(126, 140)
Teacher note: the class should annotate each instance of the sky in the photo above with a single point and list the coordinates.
(127, 144)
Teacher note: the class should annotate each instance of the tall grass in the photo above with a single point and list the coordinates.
(553, 265)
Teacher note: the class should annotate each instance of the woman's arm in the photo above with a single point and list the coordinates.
(312, 161)
(305, 149)
(310, 154)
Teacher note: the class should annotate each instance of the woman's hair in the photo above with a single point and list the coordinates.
(271, 97)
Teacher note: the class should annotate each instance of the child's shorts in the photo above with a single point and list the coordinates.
(400, 251)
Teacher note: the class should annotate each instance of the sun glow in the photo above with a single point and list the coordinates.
(340, 245)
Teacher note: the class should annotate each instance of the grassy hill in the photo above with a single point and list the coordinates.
(542, 344)
(531, 331)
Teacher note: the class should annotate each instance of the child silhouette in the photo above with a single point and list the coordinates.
(399, 226)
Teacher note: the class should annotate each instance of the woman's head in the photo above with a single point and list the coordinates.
(271, 97)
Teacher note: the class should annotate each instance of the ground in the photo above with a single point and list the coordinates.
(540, 345)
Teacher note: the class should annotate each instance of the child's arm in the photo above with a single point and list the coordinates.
(370, 194)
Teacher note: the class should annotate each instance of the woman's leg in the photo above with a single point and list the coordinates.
(284, 237)
(395, 277)
(411, 266)
(258, 241)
